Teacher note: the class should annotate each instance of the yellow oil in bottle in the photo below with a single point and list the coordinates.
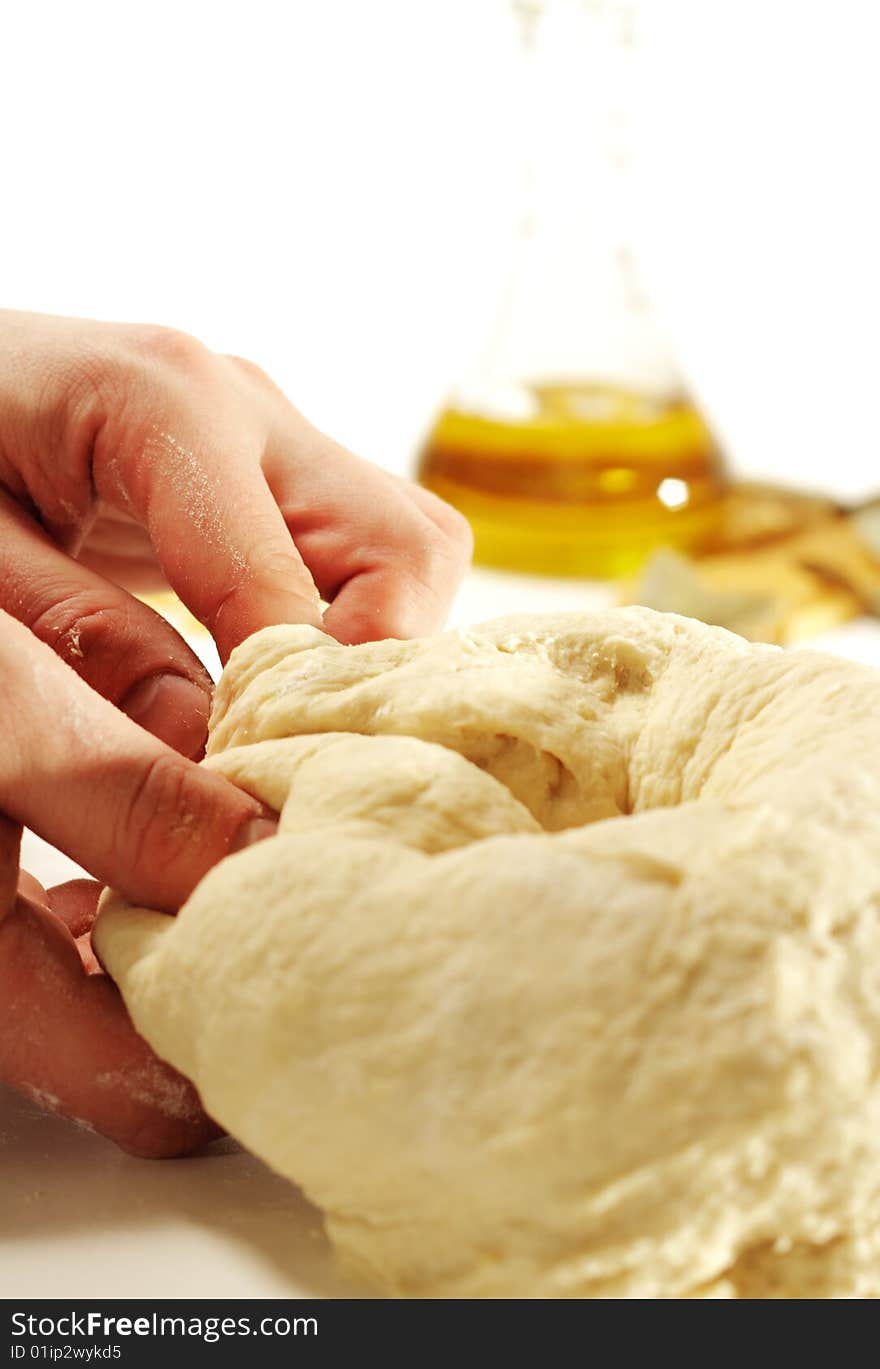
(590, 483)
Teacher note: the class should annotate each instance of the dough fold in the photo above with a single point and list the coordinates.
(562, 976)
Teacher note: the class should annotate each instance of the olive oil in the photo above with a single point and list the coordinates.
(590, 481)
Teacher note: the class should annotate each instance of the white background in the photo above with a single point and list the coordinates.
(327, 186)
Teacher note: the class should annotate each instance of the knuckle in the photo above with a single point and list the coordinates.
(75, 626)
(271, 567)
(281, 567)
(253, 372)
(155, 344)
(81, 379)
(161, 814)
(459, 532)
(70, 402)
(441, 551)
(452, 524)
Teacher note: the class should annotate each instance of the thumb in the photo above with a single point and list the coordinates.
(132, 811)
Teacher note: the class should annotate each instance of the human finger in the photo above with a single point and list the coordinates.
(188, 469)
(130, 810)
(118, 645)
(379, 552)
(67, 1041)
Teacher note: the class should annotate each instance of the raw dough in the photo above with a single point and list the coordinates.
(510, 1054)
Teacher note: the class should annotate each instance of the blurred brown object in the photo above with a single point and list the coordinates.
(783, 566)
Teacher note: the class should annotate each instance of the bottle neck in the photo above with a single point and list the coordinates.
(574, 308)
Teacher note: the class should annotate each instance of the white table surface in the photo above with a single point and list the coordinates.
(79, 1218)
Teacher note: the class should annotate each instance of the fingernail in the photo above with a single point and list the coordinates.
(173, 708)
(252, 831)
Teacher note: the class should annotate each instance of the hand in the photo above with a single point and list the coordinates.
(66, 1040)
(136, 457)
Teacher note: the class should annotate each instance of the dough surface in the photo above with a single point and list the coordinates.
(562, 976)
